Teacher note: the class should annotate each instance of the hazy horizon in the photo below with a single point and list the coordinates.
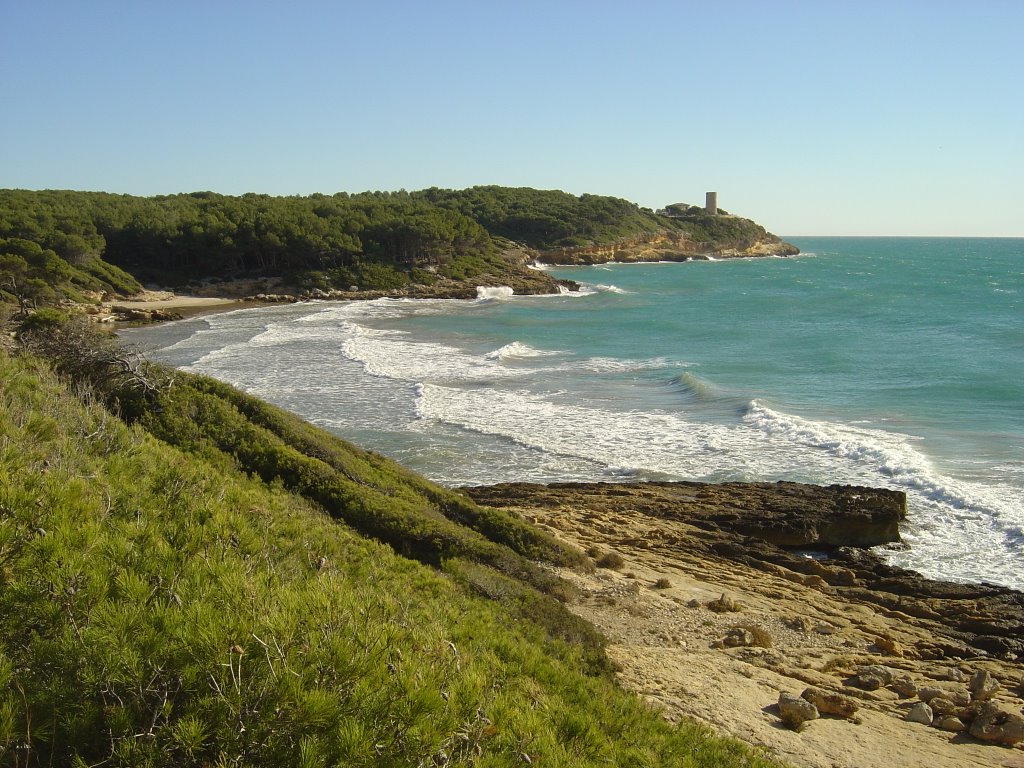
(873, 119)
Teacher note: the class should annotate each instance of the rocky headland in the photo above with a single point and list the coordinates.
(759, 609)
(668, 247)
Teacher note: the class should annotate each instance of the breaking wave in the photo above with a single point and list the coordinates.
(517, 349)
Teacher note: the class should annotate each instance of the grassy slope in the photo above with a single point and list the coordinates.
(160, 607)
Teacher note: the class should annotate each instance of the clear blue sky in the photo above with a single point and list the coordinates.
(811, 117)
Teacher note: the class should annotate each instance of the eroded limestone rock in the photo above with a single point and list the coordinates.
(904, 686)
(795, 711)
(920, 713)
(872, 677)
(983, 686)
(951, 724)
(997, 726)
(724, 604)
(830, 703)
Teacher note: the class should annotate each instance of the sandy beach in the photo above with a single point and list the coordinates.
(171, 305)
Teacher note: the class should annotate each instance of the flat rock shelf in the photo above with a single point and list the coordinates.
(720, 599)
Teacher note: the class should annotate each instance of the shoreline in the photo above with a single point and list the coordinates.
(685, 679)
(712, 624)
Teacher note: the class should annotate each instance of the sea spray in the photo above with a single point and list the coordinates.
(494, 292)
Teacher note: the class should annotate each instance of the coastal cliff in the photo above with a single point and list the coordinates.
(668, 246)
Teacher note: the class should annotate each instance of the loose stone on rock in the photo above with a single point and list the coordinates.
(920, 713)
(952, 724)
(997, 726)
(942, 706)
(738, 637)
(795, 711)
(983, 686)
(956, 675)
(888, 646)
(872, 677)
(830, 703)
(904, 686)
(724, 604)
(928, 693)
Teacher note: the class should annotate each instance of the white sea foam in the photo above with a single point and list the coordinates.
(956, 528)
(603, 288)
(494, 292)
(622, 365)
(517, 349)
(954, 518)
(947, 519)
(423, 361)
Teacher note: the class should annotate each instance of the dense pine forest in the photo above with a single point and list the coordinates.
(56, 244)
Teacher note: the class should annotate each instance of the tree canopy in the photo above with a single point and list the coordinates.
(94, 241)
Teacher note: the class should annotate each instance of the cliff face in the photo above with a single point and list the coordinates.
(671, 246)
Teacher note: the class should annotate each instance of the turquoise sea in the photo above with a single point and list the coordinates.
(895, 362)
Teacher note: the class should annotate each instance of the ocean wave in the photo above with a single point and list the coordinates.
(603, 288)
(890, 455)
(695, 388)
(517, 349)
(622, 365)
(406, 360)
(947, 519)
(494, 292)
(950, 518)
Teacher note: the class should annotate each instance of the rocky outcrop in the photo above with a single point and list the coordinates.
(135, 315)
(668, 246)
(796, 711)
(710, 618)
(770, 526)
(785, 514)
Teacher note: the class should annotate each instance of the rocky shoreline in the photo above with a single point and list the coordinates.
(726, 602)
(666, 247)
(160, 305)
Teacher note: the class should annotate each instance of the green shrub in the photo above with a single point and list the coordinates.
(44, 320)
(159, 609)
(611, 560)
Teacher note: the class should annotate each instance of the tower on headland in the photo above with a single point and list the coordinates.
(711, 203)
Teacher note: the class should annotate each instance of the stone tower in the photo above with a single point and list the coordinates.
(711, 203)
